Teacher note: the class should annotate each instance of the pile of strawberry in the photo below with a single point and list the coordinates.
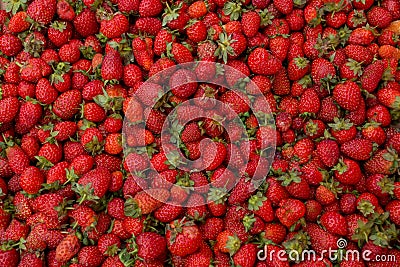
(72, 71)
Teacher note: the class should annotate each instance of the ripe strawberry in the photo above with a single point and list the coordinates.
(251, 21)
(115, 26)
(246, 255)
(18, 22)
(144, 202)
(379, 17)
(320, 69)
(94, 183)
(183, 238)
(334, 223)
(358, 149)
(328, 152)
(86, 23)
(348, 171)
(9, 110)
(290, 211)
(150, 8)
(283, 7)
(9, 257)
(31, 180)
(347, 95)
(394, 208)
(309, 102)
(260, 61)
(320, 239)
(42, 11)
(67, 104)
(112, 67)
(197, 32)
(383, 162)
(90, 256)
(213, 158)
(151, 246)
(29, 115)
(10, 45)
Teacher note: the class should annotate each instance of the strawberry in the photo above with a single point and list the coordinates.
(115, 26)
(358, 149)
(90, 256)
(150, 8)
(394, 208)
(18, 22)
(144, 202)
(10, 45)
(334, 223)
(322, 69)
(9, 110)
(298, 68)
(9, 257)
(183, 237)
(246, 255)
(86, 23)
(94, 183)
(67, 104)
(372, 76)
(320, 239)
(260, 61)
(42, 11)
(379, 17)
(29, 115)
(213, 158)
(283, 7)
(347, 171)
(251, 21)
(112, 67)
(309, 102)
(31, 180)
(290, 211)
(384, 161)
(197, 31)
(347, 95)
(328, 152)
(390, 97)
(150, 246)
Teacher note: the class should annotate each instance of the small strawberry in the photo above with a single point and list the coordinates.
(115, 26)
(112, 68)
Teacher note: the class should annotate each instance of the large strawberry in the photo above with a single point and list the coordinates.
(261, 61)
(42, 11)
(67, 104)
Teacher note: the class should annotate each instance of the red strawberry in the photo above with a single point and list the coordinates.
(42, 11)
(384, 162)
(213, 158)
(348, 171)
(112, 68)
(320, 239)
(18, 22)
(67, 104)
(144, 202)
(9, 110)
(260, 61)
(150, 246)
(358, 149)
(334, 223)
(150, 8)
(183, 237)
(290, 211)
(86, 23)
(347, 95)
(31, 180)
(328, 152)
(251, 21)
(246, 256)
(115, 26)
(9, 257)
(97, 180)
